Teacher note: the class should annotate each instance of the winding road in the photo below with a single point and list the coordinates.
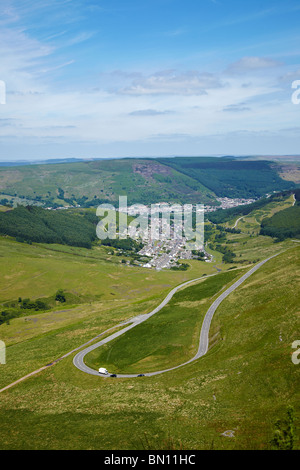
(237, 221)
(78, 360)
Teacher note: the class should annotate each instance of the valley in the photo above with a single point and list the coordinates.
(234, 386)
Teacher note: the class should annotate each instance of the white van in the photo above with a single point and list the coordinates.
(103, 371)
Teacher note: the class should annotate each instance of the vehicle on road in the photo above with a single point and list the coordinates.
(204, 333)
(113, 375)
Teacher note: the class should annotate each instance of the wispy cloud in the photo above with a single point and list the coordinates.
(149, 112)
(64, 86)
(236, 108)
(172, 82)
(79, 38)
(252, 64)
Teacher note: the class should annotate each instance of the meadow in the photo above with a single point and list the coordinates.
(243, 384)
(167, 339)
(100, 289)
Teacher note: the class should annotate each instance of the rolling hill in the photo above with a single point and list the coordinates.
(144, 181)
(244, 384)
(229, 177)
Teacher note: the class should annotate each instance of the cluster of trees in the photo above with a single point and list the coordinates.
(4, 202)
(200, 254)
(228, 255)
(231, 177)
(36, 305)
(127, 244)
(283, 224)
(16, 309)
(9, 314)
(208, 232)
(232, 230)
(180, 267)
(34, 224)
(60, 296)
(284, 433)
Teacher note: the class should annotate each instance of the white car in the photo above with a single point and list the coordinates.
(103, 371)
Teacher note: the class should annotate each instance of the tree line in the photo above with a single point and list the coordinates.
(34, 224)
(283, 224)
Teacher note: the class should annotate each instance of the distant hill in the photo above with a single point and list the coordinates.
(93, 182)
(230, 177)
(145, 181)
(41, 162)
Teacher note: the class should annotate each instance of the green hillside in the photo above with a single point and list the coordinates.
(244, 384)
(95, 182)
(228, 177)
(284, 224)
(144, 181)
(34, 224)
(55, 296)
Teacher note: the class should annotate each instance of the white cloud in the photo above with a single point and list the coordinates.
(173, 105)
(172, 82)
(252, 64)
(149, 112)
(236, 108)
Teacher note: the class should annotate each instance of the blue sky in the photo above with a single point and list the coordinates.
(110, 78)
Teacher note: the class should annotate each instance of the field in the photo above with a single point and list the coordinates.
(241, 387)
(167, 339)
(104, 292)
(243, 384)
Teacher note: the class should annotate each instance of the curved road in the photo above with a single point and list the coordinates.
(78, 360)
(237, 221)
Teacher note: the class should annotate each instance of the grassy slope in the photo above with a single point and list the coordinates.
(243, 384)
(167, 339)
(249, 246)
(110, 292)
(39, 270)
(253, 220)
(103, 179)
(283, 224)
(230, 177)
(144, 180)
